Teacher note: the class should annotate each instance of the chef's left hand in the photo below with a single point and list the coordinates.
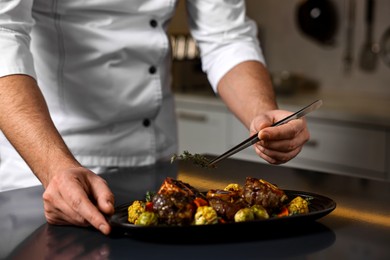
(282, 143)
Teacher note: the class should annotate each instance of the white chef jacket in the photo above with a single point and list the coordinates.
(104, 70)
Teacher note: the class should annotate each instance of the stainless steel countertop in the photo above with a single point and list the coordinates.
(359, 227)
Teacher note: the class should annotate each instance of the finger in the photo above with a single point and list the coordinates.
(283, 145)
(276, 157)
(282, 132)
(102, 194)
(80, 203)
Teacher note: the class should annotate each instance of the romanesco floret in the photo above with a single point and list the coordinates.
(205, 215)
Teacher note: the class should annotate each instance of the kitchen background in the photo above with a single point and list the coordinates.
(287, 48)
(351, 132)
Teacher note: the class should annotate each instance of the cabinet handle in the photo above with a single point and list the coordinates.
(192, 116)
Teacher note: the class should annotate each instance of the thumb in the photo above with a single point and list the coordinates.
(260, 122)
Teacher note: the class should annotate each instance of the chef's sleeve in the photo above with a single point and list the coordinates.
(15, 26)
(224, 34)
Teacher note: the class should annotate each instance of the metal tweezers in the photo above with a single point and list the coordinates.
(254, 138)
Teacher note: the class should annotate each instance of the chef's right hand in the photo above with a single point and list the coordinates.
(77, 196)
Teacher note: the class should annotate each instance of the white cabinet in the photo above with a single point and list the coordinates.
(346, 149)
(202, 129)
(335, 146)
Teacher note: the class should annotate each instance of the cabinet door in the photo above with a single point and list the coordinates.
(350, 146)
(345, 149)
(201, 131)
(334, 148)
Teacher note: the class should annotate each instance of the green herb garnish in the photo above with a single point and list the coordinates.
(196, 158)
(149, 196)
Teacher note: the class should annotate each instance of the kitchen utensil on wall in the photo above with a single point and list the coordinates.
(350, 32)
(369, 51)
(385, 47)
(184, 47)
(318, 20)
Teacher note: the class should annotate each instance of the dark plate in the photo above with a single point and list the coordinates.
(319, 206)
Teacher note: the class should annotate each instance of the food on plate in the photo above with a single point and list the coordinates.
(147, 218)
(233, 187)
(174, 208)
(226, 203)
(298, 206)
(205, 215)
(177, 203)
(260, 212)
(135, 210)
(260, 192)
(244, 214)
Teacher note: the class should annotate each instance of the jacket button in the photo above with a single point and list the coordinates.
(146, 122)
(153, 23)
(152, 70)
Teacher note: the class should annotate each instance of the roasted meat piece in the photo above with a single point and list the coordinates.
(171, 185)
(226, 203)
(174, 202)
(174, 208)
(260, 192)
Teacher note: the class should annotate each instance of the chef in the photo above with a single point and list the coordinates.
(85, 86)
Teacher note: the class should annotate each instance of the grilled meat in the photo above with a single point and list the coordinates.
(174, 208)
(174, 202)
(226, 203)
(260, 192)
(171, 185)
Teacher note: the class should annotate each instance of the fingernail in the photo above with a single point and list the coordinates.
(103, 228)
(264, 136)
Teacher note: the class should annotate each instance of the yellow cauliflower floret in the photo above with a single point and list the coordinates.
(205, 215)
(233, 187)
(135, 210)
(298, 206)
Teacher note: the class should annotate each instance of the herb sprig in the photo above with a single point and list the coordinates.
(196, 158)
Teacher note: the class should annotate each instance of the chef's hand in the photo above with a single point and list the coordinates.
(77, 196)
(282, 143)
